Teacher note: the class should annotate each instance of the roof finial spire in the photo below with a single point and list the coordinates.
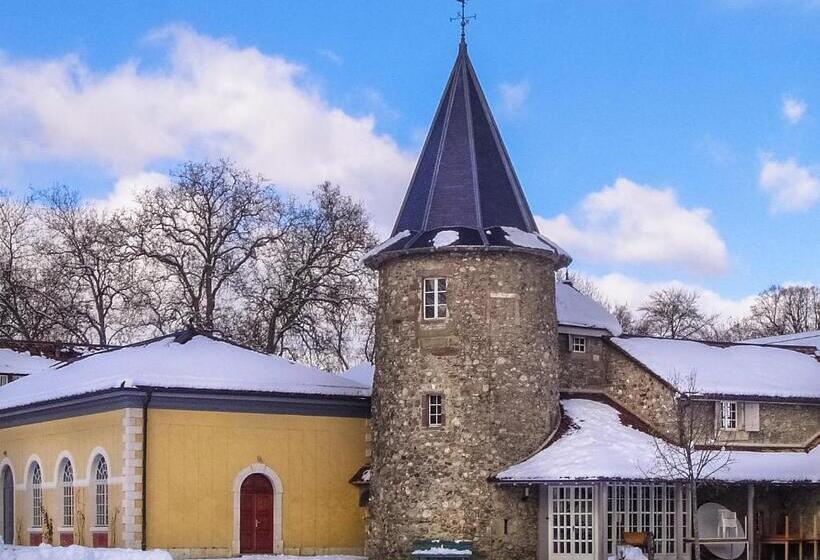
(463, 20)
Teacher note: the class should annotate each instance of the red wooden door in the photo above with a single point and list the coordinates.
(256, 515)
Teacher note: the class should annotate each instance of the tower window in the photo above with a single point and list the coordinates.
(434, 410)
(728, 415)
(578, 344)
(435, 298)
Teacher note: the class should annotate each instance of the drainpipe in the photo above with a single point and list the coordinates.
(145, 467)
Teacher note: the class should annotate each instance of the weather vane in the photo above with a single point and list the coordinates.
(463, 19)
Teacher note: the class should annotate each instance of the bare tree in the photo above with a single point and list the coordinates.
(92, 292)
(24, 312)
(674, 313)
(692, 454)
(785, 310)
(307, 295)
(202, 230)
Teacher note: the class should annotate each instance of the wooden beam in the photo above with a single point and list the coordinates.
(751, 550)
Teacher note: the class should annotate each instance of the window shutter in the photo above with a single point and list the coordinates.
(443, 416)
(752, 410)
(425, 411)
(717, 416)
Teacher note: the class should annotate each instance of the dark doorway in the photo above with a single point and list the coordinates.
(8, 506)
(256, 515)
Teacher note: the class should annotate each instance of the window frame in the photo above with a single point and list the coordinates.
(101, 494)
(725, 415)
(434, 418)
(36, 496)
(67, 486)
(440, 310)
(577, 348)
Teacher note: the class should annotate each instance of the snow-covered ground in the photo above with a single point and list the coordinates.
(46, 552)
(74, 552)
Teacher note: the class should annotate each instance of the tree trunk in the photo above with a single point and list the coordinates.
(695, 525)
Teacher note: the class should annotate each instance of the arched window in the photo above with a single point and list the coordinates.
(36, 496)
(67, 480)
(101, 493)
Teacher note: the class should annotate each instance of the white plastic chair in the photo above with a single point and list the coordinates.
(726, 521)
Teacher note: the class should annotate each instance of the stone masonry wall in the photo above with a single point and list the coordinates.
(583, 371)
(494, 360)
(781, 424)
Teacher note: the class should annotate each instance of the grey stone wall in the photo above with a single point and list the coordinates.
(583, 371)
(494, 360)
(781, 424)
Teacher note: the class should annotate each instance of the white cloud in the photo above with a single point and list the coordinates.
(793, 109)
(514, 95)
(127, 188)
(624, 290)
(792, 187)
(632, 223)
(332, 56)
(210, 99)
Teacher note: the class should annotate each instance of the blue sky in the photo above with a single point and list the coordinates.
(659, 142)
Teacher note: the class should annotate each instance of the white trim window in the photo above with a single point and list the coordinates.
(435, 298)
(36, 496)
(728, 415)
(644, 507)
(67, 482)
(578, 344)
(101, 493)
(434, 410)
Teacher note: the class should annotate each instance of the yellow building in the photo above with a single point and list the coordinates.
(187, 443)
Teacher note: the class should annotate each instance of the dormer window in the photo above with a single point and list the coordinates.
(728, 415)
(435, 298)
(578, 344)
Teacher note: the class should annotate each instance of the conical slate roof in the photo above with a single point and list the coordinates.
(464, 191)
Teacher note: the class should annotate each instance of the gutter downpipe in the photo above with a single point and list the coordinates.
(145, 467)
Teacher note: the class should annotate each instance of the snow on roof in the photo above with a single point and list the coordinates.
(579, 310)
(808, 338)
(23, 363)
(600, 446)
(362, 373)
(740, 369)
(200, 363)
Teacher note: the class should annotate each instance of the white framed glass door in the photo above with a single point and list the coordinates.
(572, 525)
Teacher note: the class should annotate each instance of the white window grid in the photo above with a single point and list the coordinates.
(435, 298)
(101, 493)
(578, 344)
(36, 497)
(643, 508)
(572, 520)
(68, 494)
(435, 410)
(728, 415)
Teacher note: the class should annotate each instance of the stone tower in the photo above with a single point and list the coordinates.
(466, 376)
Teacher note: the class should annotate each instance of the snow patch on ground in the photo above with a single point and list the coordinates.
(627, 552)
(75, 552)
(444, 238)
(600, 446)
(734, 370)
(442, 551)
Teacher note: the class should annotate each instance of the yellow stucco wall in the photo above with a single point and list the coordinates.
(194, 459)
(78, 436)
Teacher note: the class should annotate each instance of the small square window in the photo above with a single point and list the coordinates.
(434, 413)
(728, 415)
(578, 344)
(4, 379)
(435, 298)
